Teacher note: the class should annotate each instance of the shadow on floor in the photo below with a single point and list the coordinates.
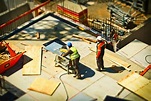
(110, 98)
(10, 92)
(19, 65)
(26, 59)
(114, 69)
(85, 71)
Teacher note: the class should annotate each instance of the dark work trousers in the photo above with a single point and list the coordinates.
(100, 62)
(75, 64)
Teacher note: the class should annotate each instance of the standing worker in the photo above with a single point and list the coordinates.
(100, 47)
(75, 57)
(115, 41)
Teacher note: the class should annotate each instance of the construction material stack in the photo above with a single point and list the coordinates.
(73, 11)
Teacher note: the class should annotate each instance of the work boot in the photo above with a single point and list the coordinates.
(78, 76)
(75, 76)
(99, 69)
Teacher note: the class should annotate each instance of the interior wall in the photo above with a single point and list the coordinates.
(149, 7)
(13, 14)
(10, 4)
(3, 6)
(143, 34)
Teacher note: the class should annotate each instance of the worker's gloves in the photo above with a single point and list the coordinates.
(62, 54)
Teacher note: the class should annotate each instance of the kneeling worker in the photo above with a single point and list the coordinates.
(75, 57)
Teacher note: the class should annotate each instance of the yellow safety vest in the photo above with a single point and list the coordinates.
(75, 53)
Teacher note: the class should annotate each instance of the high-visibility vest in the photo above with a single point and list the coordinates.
(75, 53)
(100, 49)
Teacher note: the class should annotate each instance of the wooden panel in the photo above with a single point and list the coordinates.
(134, 78)
(137, 84)
(146, 91)
(44, 86)
(33, 67)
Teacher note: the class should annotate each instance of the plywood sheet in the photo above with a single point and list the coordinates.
(32, 67)
(137, 84)
(44, 86)
(146, 90)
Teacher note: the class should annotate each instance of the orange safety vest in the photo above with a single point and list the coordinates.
(100, 49)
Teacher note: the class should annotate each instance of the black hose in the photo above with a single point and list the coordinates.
(64, 85)
(146, 59)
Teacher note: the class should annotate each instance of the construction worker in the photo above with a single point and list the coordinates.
(115, 41)
(75, 57)
(100, 47)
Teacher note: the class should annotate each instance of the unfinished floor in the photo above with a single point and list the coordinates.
(94, 85)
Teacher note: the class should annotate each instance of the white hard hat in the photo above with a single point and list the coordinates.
(99, 38)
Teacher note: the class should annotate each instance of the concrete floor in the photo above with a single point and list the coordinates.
(94, 85)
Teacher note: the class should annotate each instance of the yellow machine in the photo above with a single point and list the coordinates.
(63, 61)
(57, 47)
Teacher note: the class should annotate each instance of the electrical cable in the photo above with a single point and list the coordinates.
(147, 60)
(64, 85)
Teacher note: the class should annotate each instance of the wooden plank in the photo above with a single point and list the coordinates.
(86, 41)
(137, 84)
(33, 67)
(44, 86)
(129, 79)
(84, 38)
(145, 91)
